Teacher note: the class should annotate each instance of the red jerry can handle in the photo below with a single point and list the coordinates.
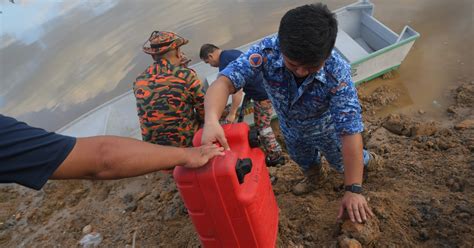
(237, 135)
(247, 174)
(242, 168)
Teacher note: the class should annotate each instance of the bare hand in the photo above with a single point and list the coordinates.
(356, 206)
(199, 156)
(213, 132)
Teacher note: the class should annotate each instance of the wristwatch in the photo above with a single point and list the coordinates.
(354, 188)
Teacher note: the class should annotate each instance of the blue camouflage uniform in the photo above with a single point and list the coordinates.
(314, 115)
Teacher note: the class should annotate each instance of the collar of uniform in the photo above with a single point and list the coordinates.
(319, 75)
(162, 65)
(163, 62)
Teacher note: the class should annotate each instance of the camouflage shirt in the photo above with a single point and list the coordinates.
(170, 104)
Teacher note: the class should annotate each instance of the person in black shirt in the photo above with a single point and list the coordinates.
(30, 156)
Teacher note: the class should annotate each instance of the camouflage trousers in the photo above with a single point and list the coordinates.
(262, 116)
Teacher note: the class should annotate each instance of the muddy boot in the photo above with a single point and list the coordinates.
(375, 164)
(280, 160)
(309, 181)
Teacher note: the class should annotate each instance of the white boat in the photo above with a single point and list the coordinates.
(368, 45)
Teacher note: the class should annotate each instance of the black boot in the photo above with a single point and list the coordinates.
(275, 162)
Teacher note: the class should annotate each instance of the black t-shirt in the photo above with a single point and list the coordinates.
(29, 155)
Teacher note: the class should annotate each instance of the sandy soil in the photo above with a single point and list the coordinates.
(423, 196)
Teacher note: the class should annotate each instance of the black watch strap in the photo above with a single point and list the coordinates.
(354, 188)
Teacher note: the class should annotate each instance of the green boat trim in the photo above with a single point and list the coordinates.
(384, 50)
(377, 75)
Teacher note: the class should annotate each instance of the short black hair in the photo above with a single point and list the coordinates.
(206, 49)
(308, 33)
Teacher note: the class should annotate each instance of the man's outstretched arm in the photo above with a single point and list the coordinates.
(111, 157)
(214, 104)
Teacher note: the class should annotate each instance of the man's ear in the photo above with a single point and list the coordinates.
(178, 54)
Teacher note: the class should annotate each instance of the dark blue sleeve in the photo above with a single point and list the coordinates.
(29, 155)
(240, 71)
(228, 56)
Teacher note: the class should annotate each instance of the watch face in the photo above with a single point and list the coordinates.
(354, 188)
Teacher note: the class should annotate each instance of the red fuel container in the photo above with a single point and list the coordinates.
(230, 200)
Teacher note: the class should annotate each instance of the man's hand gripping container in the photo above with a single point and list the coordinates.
(230, 200)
